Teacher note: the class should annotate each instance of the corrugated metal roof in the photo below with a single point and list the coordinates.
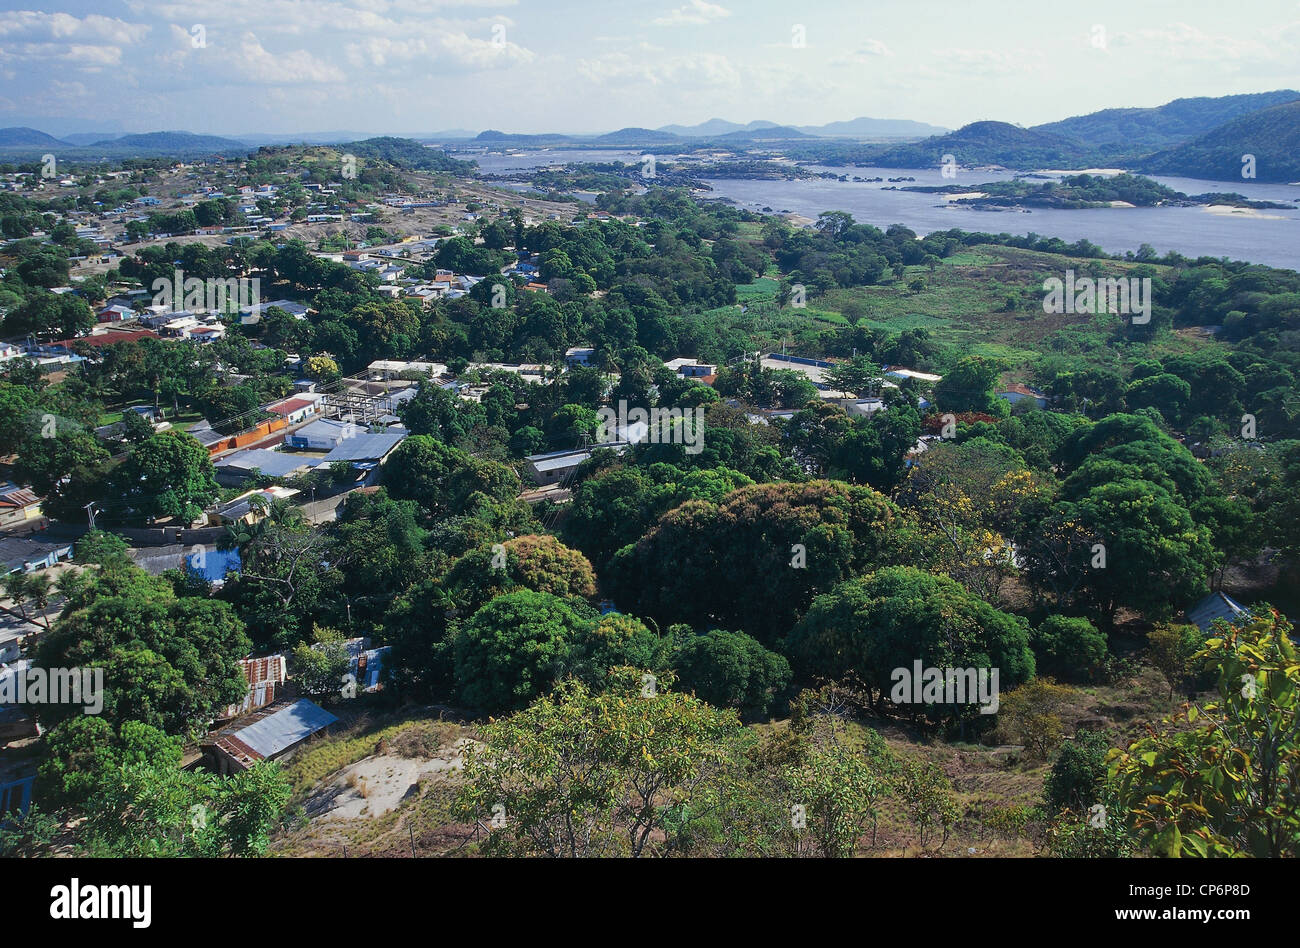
(265, 676)
(324, 428)
(364, 447)
(275, 732)
(270, 463)
(291, 405)
(205, 435)
(19, 497)
(566, 460)
(1214, 606)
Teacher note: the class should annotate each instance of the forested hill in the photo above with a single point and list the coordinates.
(1271, 135)
(982, 143)
(408, 153)
(1141, 131)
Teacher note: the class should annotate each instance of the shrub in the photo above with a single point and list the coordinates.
(1070, 649)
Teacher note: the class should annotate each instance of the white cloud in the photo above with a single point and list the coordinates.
(647, 66)
(63, 27)
(695, 13)
(1179, 41)
(443, 49)
(296, 18)
(90, 43)
(81, 55)
(252, 62)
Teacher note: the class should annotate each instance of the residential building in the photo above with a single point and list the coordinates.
(17, 776)
(266, 678)
(323, 434)
(241, 465)
(29, 553)
(366, 452)
(556, 466)
(297, 408)
(266, 734)
(579, 356)
(692, 369)
(18, 505)
(900, 373)
(251, 506)
(251, 315)
(863, 407)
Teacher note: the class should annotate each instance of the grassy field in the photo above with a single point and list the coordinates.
(987, 301)
(762, 287)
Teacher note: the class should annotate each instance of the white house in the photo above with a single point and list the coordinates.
(691, 368)
(323, 434)
(579, 356)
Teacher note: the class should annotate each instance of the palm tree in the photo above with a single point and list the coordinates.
(607, 360)
(72, 583)
(16, 588)
(276, 512)
(39, 586)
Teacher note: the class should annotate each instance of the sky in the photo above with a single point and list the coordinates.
(421, 66)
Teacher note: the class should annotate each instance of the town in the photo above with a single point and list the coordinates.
(689, 492)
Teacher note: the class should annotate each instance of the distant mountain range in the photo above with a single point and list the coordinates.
(1197, 137)
(23, 137)
(20, 141)
(854, 128)
(1164, 126)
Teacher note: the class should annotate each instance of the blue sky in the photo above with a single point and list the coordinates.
(572, 65)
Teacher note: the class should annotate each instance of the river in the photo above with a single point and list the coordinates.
(1271, 237)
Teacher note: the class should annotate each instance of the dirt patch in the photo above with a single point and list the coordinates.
(378, 784)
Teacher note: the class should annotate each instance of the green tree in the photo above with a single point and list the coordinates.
(781, 543)
(1031, 716)
(1077, 773)
(67, 469)
(152, 810)
(1223, 778)
(731, 670)
(586, 773)
(319, 668)
(895, 616)
(169, 475)
(1171, 649)
(838, 788)
(170, 663)
(616, 643)
(539, 563)
(515, 648)
(928, 799)
(1070, 648)
(1154, 554)
(84, 751)
(968, 386)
